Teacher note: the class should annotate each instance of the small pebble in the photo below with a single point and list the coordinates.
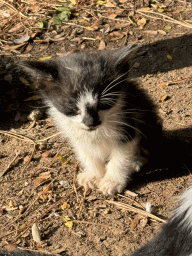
(148, 207)
(65, 183)
(35, 115)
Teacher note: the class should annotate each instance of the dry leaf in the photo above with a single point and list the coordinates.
(143, 222)
(29, 47)
(130, 193)
(169, 57)
(90, 28)
(84, 22)
(151, 32)
(110, 3)
(45, 58)
(10, 247)
(111, 15)
(134, 223)
(144, 9)
(64, 206)
(163, 84)
(16, 28)
(41, 178)
(164, 98)
(67, 221)
(44, 197)
(47, 189)
(141, 22)
(161, 32)
(36, 233)
(167, 28)
(46, 154)
(26, 159)
(101, 45)
(74, 1)
(35, 97)
(21, 209)
(63, 160)
(11, 204)
(101, 2)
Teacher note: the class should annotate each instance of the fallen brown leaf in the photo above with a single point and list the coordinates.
(164, 98)
(101, 45)
(10, 247)
(134, 222)
(46, 154)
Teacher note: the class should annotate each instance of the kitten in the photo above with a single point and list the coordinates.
(110, 121)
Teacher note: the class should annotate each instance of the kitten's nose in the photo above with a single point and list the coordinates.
(91, 121)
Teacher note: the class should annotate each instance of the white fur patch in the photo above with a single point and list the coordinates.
(185, 208)
(85, 99)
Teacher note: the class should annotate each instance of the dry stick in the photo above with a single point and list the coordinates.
(167, 18)
(9, 165)
(13, 8)
(133, 200)
(18, 136)
(22, 137)
(74, 179)
(134, 209)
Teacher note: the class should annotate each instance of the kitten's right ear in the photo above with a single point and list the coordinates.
(41, 71)
(123, 55)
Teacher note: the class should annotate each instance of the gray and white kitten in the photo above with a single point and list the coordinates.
(110, 121)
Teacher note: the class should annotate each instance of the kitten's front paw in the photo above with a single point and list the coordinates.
(86, 179)
(110, 187)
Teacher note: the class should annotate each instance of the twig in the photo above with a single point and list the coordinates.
(133, 200)
(74, 179)
(13, 8)
(166, 18)
(137, 210)
(9, 165)
(22, 137)
(18, 136)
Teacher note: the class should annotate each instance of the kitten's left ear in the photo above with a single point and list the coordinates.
(123, 55)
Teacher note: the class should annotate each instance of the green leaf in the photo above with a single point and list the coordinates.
(56, 20)
(64, 15)
(44, 24)
(40, 24)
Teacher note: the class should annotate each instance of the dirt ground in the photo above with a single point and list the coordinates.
(38, 168)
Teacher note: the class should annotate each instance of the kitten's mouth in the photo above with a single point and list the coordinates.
(92, 128)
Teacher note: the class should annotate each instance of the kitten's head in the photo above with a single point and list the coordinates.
(82, 86)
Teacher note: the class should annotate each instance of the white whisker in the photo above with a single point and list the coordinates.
(130, 126)
(113, 86)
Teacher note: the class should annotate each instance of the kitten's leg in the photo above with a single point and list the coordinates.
(122, 164)
(93, 170)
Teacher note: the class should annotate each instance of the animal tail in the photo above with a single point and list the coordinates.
(175, 239)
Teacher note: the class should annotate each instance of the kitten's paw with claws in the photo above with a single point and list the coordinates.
(110, 187)
(86, 179)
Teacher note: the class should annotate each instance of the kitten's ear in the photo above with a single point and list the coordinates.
(123, 55)
(41, 71)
